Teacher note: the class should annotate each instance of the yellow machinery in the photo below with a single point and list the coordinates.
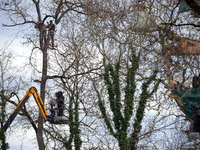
(53, 118)
(38, 100)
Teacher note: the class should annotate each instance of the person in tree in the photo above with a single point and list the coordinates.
(51, 32)
(60, 101)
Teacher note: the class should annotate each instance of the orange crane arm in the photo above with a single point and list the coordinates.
(38, 100)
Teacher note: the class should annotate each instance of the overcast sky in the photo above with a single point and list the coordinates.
(11, 41)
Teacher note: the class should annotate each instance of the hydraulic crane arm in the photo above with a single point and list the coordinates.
(38, 100)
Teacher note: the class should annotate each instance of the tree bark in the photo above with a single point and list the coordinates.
(42, 95)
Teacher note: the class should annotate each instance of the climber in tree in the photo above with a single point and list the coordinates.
(51, 32)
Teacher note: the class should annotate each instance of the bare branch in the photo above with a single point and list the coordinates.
(18, 24)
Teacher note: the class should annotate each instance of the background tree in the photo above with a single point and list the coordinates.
(122, 110)
(83, 41)
(5, 65)
(22, 11)
(4, 144)
(113, 30)
(8, 87)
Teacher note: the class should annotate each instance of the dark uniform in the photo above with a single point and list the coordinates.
(60, 101)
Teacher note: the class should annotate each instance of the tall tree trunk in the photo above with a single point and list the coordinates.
(42, 94)
(4, 144)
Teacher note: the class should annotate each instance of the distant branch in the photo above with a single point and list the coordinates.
(184, 24)
(47, 16)
(174, 9)
(12, 25)
(188, 24)
(63, 77)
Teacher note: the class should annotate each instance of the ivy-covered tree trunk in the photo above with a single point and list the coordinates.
(133, 140)
(73, 125)
(68, 144)
(122, 109)
(74, 115)
(4, 144)
(77, 138)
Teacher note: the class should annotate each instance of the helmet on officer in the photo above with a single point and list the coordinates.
(59, 93)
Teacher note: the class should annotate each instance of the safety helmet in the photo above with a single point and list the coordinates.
(59, 93)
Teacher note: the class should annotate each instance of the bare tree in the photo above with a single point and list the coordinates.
(108, 30)
(115, 28)
(10, 84)
(4, 65)
(23, 12)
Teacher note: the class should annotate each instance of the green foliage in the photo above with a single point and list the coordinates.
(68, 144)
(104, 115)
(141, 108)
(77, 139)
(4, 144)
(74, 125)
(123, 113)
(113, 88)
(130, 89)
